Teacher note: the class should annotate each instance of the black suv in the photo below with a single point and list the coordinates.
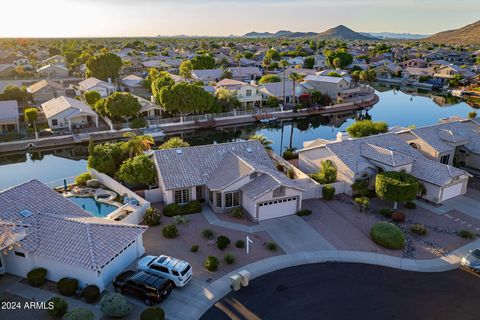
(149, 287)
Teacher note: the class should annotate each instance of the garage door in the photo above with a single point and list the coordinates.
(277, 208)
(452, 191)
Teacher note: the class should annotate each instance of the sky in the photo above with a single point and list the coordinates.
(107, 18)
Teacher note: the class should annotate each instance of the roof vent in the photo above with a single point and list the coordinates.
(179, 151)
(249, 150)
(25, 213)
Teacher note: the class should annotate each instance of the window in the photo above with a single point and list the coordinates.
(20, 254)
(175, 273)
(279, 192)
(54, 122)
(249, 93)
(181, 196)
(414, 145)
(160, 268)
(219, 199)
(232, 199)
(445, 159)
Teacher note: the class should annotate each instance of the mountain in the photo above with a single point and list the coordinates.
(342, 32)
(469, 34)
(393, 35)
(255, 34)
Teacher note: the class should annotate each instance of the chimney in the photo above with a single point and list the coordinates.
(152, 99)
(253, 83)
(109, 80)
(342, 136)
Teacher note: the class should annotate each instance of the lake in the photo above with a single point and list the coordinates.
(395, 107)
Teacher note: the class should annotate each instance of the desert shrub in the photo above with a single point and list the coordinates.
(82, 178)
(289, 155)
(272, 246)
(305, 212)
(138, 123)
(207, 233)
(60, 307)
(398, 216)
(328, 192)
(79, 313)
(67, 286)
(387, 235)
(466, 234)
(386, 212)
(91, 293)
(291, 173)
(229, 258)
(362, 203)
(194, 248)
(36, 277)
(240, 244)
(152, 313)
(115, 305)
(222, 242)
(180, 220)
(410, 205)
(237, 213)
(152, 217)
(211, 263)
(418, 229)
(175, 209)
(170, 231)
(280, 167)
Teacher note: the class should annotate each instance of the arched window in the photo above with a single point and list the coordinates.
(414, 145)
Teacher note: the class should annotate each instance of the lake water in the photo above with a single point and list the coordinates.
(397, 108)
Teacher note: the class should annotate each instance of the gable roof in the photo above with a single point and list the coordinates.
(92, 82)
(43, 84)
(55, 106)
(8, 110)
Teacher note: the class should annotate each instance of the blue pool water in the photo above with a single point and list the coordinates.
(96, 208)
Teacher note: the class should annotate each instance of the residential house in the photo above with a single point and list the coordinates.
(230, 175)
(445, 73)
(64, 112)
(248, 94)
(7, 71)
(415, 63)
(387, 70)
(149, 109)
(207, 75)
(52, 71)
(9, 117)
(339, 89)
(412, 74)
(49, 231)
(134, 84)
(45, 90)
(93, 84)
(56, 60)
(245, 73)
(278, 90)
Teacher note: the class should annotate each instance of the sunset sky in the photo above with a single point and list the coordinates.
(104, 18)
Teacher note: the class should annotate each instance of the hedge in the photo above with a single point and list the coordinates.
(91, 293)
(396, 186)
(170, 231)
(152, 217)
(67, 286)
(36, 277)
(387, 235)
(174, 209)
(60, 307)
(328, 192)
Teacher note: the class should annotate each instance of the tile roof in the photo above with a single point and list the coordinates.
(8, 110)
(43, 84)
(230, 169)
(92, 82)
(62, 103)
(60, 230)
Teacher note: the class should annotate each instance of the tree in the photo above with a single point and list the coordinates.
(327, 173)
(269, 78)
(137, 170)
(107, 158)
(295, 77)
(262, 139)
(119, 105)
(153, 74)
(163, 80)
(104, 66)
(31, 115)
(344, 58)
(15, 93)
(334, 74)
(309, 62)
(92, 97)
(227, 99)
(184, 99)
(202, 62)
(272, 55)
(173, 143)
(136, 144)
(396, 186)
(185, 70)
(367, 76)
(366, 128)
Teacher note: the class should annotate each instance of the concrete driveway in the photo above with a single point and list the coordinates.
(465, 204)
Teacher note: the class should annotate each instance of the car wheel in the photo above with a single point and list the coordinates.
(148, 302)
(118, 289)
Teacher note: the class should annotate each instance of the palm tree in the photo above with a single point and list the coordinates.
(263, 140)
(295, 77)
(172, 143)
(137, 144)
(284, 64)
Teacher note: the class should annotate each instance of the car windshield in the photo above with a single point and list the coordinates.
(184, 271)
(476, 253)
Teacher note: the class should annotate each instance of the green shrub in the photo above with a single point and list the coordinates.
(170, 231)
(36, 277)
(82, 178)
(60, 307)
(115, 305)
(386, 212)
(79, 313)
(363, 203)
(366, 128)
(289, 155)
(152, 217)
(237, 213)
(327, 173)
(418, 229)
(396, 186)
(138, 123)
(240, 244)
(91, 293)
(305, 212)
(398, 216)
(272, 246)
(207, 233)
(174, 209)
(180, 220)
(360, 188)
(328, 192)
(466, 234)
(291, 173)
(67, 286)
(211, 263)
(222, 242)
(152, 313)
(229, 258)
(387, 235)
(410, 205)
(194, 248)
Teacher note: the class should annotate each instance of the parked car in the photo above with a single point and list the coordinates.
(151, 288)
(178, 271)
(472, 260)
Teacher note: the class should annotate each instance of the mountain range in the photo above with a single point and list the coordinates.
(469, 34)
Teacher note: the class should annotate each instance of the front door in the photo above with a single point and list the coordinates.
(199, 191)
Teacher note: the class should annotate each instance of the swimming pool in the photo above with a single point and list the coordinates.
(96, 208)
